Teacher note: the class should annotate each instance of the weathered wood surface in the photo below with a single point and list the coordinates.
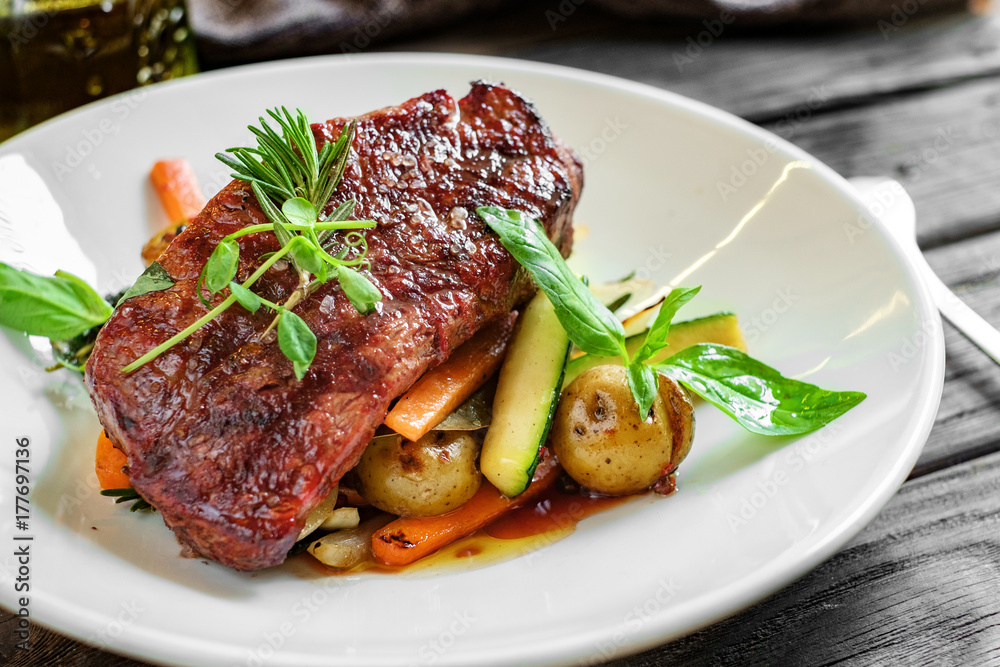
(759, 77)
(968, 421)
(50, 648)
(920, 585)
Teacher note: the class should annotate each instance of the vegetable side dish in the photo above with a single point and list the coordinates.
(347, 341)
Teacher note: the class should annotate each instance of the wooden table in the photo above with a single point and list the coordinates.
(918, 101)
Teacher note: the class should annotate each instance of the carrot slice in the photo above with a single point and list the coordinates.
(110, 462)
(408, 539)
(177, 187)
(443, 388)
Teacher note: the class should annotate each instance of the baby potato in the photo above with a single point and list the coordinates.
(431, 476)
(604, 444)
(156, 245)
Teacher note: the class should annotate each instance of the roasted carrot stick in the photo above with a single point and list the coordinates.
(179, 193)
(177, 187)
(109, 464)
(443, 388)
(408, 539)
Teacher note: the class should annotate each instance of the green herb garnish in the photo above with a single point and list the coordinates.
(293, 183)
(154, 279)
(758, 397)
(754, 394)
(129, 495)
(59, 307)
(590, 325)
(297, 341)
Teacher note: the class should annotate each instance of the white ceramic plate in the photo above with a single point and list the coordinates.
(822, 293)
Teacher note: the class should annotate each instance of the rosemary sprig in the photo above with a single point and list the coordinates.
(293, 182)
(129, 495)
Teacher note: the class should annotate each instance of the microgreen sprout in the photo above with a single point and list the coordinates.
(293, 182)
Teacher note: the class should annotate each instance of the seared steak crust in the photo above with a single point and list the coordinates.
(221, 438)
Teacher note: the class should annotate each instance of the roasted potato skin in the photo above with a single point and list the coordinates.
(432, 476)
(680, 410)
(605, 446)
(156, 245)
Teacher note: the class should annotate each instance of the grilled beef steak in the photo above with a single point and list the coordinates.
(221, 438)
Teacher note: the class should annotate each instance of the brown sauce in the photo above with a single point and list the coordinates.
(554, 511)
(550, 518)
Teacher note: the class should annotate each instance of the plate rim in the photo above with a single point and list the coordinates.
(749, 589)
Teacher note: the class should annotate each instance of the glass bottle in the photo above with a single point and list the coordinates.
(59, 54)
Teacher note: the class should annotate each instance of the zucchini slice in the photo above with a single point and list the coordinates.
(527, 393)
(720, 328)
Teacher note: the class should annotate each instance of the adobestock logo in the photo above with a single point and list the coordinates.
(743, 171)
(666, 590)
(759, 324)
(740, 173)
(561, 13)
(595, 148)
(914, 166)
(794, 460)
(432, 651)
(115, 628)
(888, 194)
(910, 347)
(91, 138)
(901, 14)
(696, 45)
(370, 29)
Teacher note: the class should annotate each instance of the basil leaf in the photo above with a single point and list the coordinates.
(299, 211)
(221, 265)
(588, 323)
(656, 336)
(644, 385)
(296, 341)
(59, 307)
(362, 293)
(154, 279)
(755, 395)
(245, 297)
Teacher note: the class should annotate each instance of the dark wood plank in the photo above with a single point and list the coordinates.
(766, 77)
(50, 648)
(968, 421)
(918, 586)
(761, 79)
(755, 75)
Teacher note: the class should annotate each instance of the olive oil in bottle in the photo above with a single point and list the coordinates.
(59, 54)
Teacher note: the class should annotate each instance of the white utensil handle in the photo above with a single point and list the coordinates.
(899, 216)
(966, 320)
